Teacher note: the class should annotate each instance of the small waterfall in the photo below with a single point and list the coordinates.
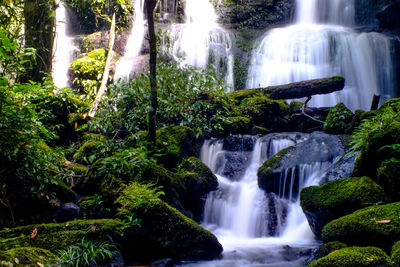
(322, 43)
(133, 45)
(202, 41)
(63, 48)
(254, 226)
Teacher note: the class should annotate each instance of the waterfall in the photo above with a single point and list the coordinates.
(323, 43)
(202, 41)
(249, 222)
(133, 45)
(63, 48)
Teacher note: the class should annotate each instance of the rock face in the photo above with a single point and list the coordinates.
(371, 226)
(322, 204)
(389, 16)
(341, 168)
(319, 147)
(354, 256)
(256, 14)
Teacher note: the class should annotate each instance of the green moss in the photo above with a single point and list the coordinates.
(389, 177)
(339, 120)
(89, 152)
(239, 95)
(375, 225)
(180, 141)
(26, 256)
(93, 207)
(327, 202)
(77, 169)
(55, 236)
(354, 257)
(238, 125)
(327, 248)
(395, 255)
(272, 163)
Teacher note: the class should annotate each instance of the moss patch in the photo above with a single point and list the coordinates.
(354, 257)
(55, 236)
(339, 120)
(238, 125)
(395, 255)
(376, 226)
(389, 177)
(26, 256)
(327, 202)
(327, 248)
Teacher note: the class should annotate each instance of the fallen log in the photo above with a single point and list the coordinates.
(305, 88)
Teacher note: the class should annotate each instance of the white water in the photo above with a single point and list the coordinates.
(320, 44)
(133, 45)
(202, 41)
(253, 227)
(63, 49)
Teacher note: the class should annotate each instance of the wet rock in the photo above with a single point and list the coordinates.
(239, 143)
(389, 16)
(69, 211)
(341, 168)
(168, 262)
(281, 173)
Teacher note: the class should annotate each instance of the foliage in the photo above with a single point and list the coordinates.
(86, 253)
(88, 71)
(93, 15)
(11, 18)
(187, 96)
(26, 256)
(338, 120)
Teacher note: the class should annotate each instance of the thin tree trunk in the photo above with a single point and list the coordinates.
(106, 73)
(153, 60)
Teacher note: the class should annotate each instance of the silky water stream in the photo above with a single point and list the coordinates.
(258, 228)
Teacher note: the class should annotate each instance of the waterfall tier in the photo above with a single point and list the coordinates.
(321, 44)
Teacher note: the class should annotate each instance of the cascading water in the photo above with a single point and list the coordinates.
(322, 43)
(63, 49)
(253, 226)
(202, 41)
(133, 45)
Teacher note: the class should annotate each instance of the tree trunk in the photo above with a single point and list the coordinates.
(39, 34)
(304, 88)
(103, 86)
(150, 6)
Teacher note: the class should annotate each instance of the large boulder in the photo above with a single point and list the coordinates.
(318, 147)
(354, 257)
(322, 204)
(164, 231)
(372, 226)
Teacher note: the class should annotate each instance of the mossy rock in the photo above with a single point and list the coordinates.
(339, 120)
(322, 204)
(181, 142)
(239, 95)
(26, 256)
(90, 151)
(389, 177)
(77, 169)
(324, 249)
(354, 257)
(94, 207)
(264, 111)
(166, 229)
(56, 236)
(395, 255)
(372, 226)
(199, 181)
(238, 125)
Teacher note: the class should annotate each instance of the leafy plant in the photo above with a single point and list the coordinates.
(86, 253)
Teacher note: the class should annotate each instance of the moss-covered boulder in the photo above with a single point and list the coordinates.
(375, 138)
(372, 226)
(181, 142)
(389, 177)
(395, 255)
(26, 256)
(238, 125)
(324, 249)
(354, 257)
(339, 120)
(199, 180)
(164, 229)
(89, 152)
(55, 236)
(322, 204)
